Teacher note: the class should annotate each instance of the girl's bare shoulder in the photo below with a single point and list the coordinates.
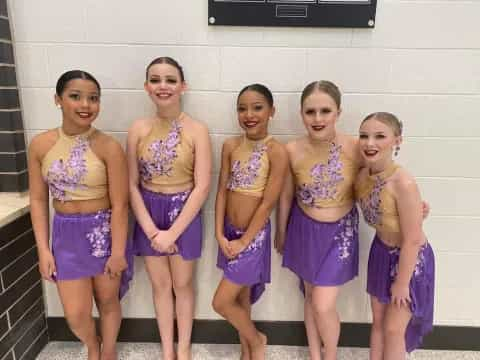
(276, 148)
(193, 128)
(41, 143)
(402, 183)
(296, 145)
(103, 143)
(350, 146)
(233, 140)
(402, 177)
(297, 149)
(141, 127)
(191, 123)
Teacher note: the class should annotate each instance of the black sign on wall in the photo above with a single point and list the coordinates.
(313, 13)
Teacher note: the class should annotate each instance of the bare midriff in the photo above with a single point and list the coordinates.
(394, 239)
(168, 189)
(82, 206)
(241, 208)
(326, 214)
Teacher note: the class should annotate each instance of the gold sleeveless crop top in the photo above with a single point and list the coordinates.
(377, 203)
(72, 170)
(325, 178)
(250, 167)
(166, 155)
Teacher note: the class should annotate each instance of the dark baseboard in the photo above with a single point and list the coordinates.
(279, 333)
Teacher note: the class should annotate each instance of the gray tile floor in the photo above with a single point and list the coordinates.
(140, 351)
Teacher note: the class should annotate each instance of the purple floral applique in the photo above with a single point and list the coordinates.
(254, 246)
(163, 153)
(371, 204)
(346, 238)
(100, 236)
(325, 178)
(243, 177)
(178, 201)
(67, 175)
(419, 264)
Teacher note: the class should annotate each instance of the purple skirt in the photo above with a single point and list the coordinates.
(81, 246)
(382, 270)
(164, 209)
(252, 266)
(321, 253)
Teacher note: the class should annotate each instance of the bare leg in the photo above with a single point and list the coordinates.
(395, 325)
(106, 291)
(324, 300)
(244, 301)
(314, 343)
(159, 273)
(376, 335)
(182, 274)
(225, 303)
(77, 300)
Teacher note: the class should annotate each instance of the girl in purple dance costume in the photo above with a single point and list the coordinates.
(169, 161)
(401, 264)
(320, 243)
(251, 176)
(85, 171)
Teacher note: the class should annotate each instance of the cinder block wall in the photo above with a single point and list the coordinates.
(23, 327)
(421, 62)
(13, 164)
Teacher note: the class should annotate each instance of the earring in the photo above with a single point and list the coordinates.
(270, 118)
(397, 149)
(59, 106)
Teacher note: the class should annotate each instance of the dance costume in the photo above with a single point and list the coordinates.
(166, 157)
(379, 210)
(323, 253)
(81, 243)
(249, 173)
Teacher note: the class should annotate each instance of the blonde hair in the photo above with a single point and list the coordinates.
(323, 86)
(388, 119)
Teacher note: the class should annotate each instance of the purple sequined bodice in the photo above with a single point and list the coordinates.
(163, 154)
(64, 175)
(243, 177)
(370, 205)
(325, 179)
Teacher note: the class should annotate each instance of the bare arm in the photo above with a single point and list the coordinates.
(221, 198)
(283, 209)
(136, 200)
(39, 211)
(116, 164)
(409, 207)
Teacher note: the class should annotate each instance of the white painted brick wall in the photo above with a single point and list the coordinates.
(422, 62)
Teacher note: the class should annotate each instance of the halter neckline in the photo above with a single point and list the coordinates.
(254, 142)
(386, 173)
(83, 135)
